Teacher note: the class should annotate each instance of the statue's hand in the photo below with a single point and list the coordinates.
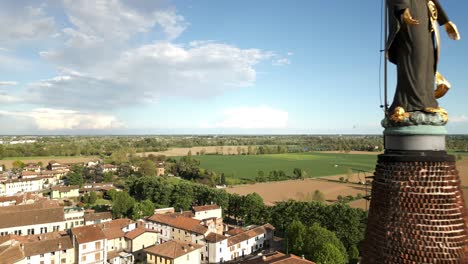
(452, 30)
(408, 18)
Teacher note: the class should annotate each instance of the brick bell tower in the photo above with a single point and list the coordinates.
(417, 213)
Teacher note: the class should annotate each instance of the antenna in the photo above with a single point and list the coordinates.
(385, 56)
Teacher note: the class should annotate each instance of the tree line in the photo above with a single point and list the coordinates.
(346, 223)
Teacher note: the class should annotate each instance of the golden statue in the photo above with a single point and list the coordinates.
(414, 46)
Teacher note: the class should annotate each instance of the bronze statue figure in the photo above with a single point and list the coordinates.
(413, 45)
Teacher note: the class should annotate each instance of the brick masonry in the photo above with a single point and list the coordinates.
(417, 212)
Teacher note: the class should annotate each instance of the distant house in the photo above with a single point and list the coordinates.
(38, 218)
(54, 165)
(61, 192)
(109, 168)
(97, 218)
(90, 244)
(160, 169)
(278, 258)
(32, 167)
(29, 174)
(175, 252)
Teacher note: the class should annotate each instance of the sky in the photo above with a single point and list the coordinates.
(205, 67)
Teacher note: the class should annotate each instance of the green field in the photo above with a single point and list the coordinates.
(315, 164)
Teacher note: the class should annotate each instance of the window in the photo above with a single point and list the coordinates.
(238, 245)
(83, 258)
(84, 246)
(98, 245)
(188, 256)
(97, 256)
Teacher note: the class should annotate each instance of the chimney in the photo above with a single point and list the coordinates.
(302, 256)
(264, 258)
(60, 245)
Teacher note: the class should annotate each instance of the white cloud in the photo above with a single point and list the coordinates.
(281, 62)
(251, 117)
(24, 22)
(59, 119)
(172, 24)
(6, 98)
(7, 83)
(459, 119)
(149, 72)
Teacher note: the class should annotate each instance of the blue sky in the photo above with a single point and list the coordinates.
(205, 66)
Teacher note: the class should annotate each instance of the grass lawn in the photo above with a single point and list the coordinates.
(315, 164)
(101, 201)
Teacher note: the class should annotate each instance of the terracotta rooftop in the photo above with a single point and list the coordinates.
(135, 232)
(172, 249)
(86, 234)
(205, 207)
(235, 231)
(11, 254)
(180, 221)
(214, 237)
(29, 173)
(45, 246)
(113, 229)
(98, 216)
(236, 239)
(41, 212)
(278, 258)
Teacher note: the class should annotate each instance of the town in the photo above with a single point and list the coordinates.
(53, 229)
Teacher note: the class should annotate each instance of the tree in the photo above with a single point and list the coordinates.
(147, 168)
(122, 205)
(75, 176)
(260, 176)
(223, 179)
(295, 234)
(92, 197)
(298, 173)
(322, 246)
(328, 253)
(18, 164)
(318, 196)
(145, 208)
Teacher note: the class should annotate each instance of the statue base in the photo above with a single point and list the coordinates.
(417, 213)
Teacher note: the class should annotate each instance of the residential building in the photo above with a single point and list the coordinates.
(250, 241)
(174, 252)
(38, 218)
(74, 217)
(207, 211)
(26, 174)
(59, 250)
(278, 258)
(217, 248)
(32, 167)
(109, 168)
(179, 227)
(140, 238)
(61, 192)
(54, 165)
(90, 244)
(97, 218)
(10, 187)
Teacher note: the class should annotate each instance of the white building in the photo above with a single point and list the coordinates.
(10, 187)
(207, 211)
(250, 241)
(28, 219)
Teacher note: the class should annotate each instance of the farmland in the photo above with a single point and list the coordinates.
(246, 167)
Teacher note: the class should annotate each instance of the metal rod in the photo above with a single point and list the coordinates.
(385, 56)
